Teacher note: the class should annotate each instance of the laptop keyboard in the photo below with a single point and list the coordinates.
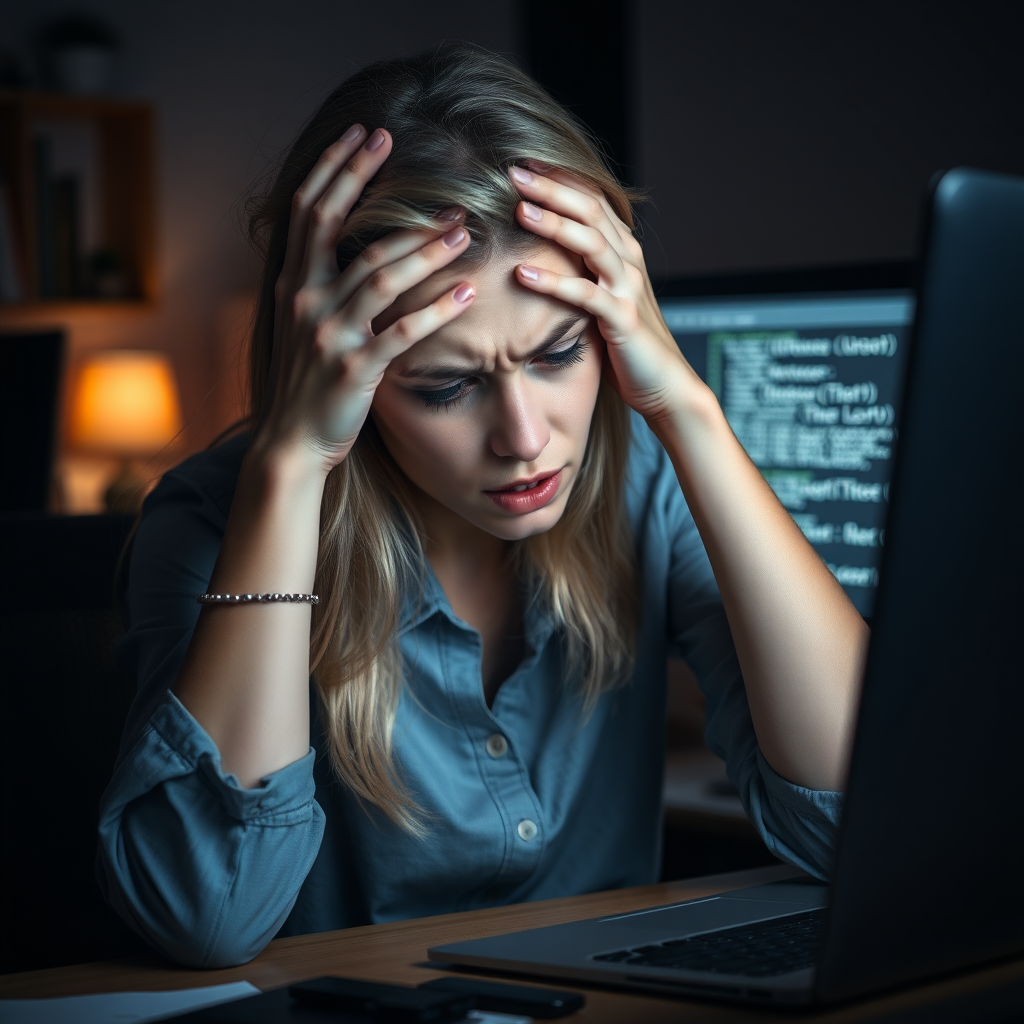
(759, 950)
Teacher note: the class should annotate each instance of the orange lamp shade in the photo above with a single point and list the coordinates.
(124, 403)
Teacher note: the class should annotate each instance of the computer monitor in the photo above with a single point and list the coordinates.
(32, 364)
(808, 367)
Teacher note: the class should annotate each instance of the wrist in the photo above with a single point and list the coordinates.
(694, 411)
(272, 535)
(284, 467)
(278, 476)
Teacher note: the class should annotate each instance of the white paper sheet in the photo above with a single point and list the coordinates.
(119, 1007)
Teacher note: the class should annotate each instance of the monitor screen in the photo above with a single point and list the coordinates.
(810, 383)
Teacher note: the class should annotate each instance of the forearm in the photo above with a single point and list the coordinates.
(245, 677)
(799, 640)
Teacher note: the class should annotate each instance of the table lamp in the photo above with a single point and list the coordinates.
(125, 404)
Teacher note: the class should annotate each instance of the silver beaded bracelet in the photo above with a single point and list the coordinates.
(246, 598)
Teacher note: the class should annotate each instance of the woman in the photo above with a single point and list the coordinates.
(475, 439)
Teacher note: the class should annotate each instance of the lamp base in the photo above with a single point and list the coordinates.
(125, 492)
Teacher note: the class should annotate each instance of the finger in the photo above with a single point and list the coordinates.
(572, 181)
(622, 230)
(579, 201)
(414, 327)
(579, 292)
(593, 245)
(383, 286)
(324, 172)
(390, 249)
(327, 217)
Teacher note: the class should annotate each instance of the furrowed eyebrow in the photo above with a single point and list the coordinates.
(440, 372)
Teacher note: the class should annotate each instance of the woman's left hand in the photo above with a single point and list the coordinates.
(644, 363)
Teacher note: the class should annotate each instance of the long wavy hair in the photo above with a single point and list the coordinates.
(459, 116)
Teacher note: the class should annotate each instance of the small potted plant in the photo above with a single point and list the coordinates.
(78, 52)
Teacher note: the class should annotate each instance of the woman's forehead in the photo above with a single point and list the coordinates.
(505, 317)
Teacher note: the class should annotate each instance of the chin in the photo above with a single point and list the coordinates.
(521, 527)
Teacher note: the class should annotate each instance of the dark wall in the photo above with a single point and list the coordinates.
(777, 133)
(585, 57)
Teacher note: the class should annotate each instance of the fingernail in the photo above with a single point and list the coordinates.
(453, 237)
(532, 212)
(353, 133)
(530, 273)
(452, 213)
(374, 142)
(520, 175)
(464, 294)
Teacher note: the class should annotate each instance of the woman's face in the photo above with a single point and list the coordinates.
(489, 416)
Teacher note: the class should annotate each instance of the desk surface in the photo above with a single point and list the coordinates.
(397, 953)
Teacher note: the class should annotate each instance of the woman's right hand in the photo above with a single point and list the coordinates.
(327, 362)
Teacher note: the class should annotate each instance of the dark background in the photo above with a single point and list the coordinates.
(787, 133)
(768, 133)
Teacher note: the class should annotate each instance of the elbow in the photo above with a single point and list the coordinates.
(207, 901)
(798, 825)
(200, 927)
(229, 949)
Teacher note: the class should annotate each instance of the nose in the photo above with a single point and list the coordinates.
(520, 429)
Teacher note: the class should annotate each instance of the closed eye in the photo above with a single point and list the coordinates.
(447, 397)
(454, 393)
(566, 356)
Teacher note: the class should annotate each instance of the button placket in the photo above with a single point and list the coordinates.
(506, 776)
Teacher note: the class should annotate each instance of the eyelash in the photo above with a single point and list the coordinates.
(456, 392)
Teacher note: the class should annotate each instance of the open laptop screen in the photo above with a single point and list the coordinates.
(810, 382)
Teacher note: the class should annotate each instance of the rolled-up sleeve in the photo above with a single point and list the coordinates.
(203, 869)
(798, 825)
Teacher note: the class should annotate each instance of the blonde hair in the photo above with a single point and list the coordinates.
(459, 116)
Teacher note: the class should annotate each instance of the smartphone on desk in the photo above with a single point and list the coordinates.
(523, 1000)
(339, 1001)
(388, 1004)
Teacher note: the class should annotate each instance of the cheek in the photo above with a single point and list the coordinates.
(428, 445)
(576, 401)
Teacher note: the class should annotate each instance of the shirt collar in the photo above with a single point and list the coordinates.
(422, 602)
(420, 605)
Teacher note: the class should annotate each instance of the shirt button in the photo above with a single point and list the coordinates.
(497, 745)
(527, 829)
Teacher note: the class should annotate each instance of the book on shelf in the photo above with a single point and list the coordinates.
(46, 263)
(59, 260)
(67, 257)
(12, 269)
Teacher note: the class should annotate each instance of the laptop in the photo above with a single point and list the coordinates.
(929, 868)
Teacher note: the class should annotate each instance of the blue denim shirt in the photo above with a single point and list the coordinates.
(209, 872)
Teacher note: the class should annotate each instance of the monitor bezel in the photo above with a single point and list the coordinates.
(896, 276)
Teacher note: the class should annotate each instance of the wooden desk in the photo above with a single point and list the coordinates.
(397, 953)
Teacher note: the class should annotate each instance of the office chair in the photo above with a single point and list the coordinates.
(63, 708)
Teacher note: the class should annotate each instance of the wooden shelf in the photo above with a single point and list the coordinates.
(59, 104)
(125, 176)
(59, 309)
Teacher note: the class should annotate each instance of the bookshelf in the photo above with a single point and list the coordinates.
(79, 200)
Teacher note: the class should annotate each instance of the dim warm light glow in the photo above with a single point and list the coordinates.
(125, 403)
